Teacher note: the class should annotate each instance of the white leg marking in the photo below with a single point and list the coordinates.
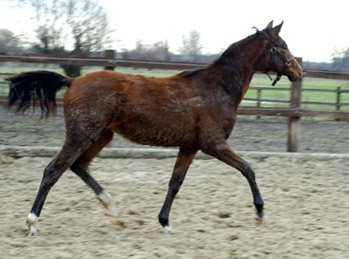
(168, 230)
(105, 198)
(32, 222)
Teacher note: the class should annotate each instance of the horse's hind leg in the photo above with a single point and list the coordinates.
(80, 168)
(184, 159)
(52, 173)
(224, 153)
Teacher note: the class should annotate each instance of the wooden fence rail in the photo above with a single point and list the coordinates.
(337, 92)
(294, 112)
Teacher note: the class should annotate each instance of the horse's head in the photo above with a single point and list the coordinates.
(277, 57)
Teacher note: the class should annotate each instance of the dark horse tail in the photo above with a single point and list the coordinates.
(33, 88)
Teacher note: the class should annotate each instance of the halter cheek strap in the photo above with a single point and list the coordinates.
(287, 63)
(274, 51)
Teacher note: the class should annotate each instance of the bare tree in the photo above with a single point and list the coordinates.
(161, 51)
(157, 51)
(191, 48)
(9, 42)
(70, 27)
(341, 60)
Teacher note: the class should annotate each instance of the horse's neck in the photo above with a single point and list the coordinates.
(235, 67)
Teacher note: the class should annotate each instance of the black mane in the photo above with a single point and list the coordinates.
(192, 72)
(234, 47)
(237, 45)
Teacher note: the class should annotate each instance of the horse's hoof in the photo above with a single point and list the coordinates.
(32, 222)
(259, 211)
(168, 230)
(259, 216)
(107, 201)
(112, 211)
(112, 217)
(33, 232)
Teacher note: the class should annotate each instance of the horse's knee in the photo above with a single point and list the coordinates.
(247, 170)
(48, 179)
(49, 171)
(51, 175)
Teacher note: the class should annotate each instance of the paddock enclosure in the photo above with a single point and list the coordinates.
(306, 196)
(306, 210)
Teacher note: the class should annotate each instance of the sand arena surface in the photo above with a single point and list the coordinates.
(306, 209)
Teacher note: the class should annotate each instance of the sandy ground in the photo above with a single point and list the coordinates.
(306, 201)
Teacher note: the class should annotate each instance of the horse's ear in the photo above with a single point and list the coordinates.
(269, 26)
(274, 32)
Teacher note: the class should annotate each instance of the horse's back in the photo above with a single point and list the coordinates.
(118, 84)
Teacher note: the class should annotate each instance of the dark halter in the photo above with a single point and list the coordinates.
(272, 49)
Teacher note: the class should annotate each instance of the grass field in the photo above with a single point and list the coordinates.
(258, 81)
(308, 83)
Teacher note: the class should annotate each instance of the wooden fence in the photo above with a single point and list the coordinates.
(337, 103)
(294, 111)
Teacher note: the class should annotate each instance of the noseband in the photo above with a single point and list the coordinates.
(272, 50)
(287, 62)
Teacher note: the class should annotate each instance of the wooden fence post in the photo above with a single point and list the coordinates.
(338, 99)
(259, 97)
(109, 54)
(294, 121)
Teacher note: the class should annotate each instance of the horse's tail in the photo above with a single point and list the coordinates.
(31, 88)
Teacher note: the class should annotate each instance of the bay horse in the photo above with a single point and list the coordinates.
(193, 110)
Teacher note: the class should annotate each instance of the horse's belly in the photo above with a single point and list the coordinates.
(161, 132)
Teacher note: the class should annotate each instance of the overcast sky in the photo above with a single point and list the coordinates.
(312, 28)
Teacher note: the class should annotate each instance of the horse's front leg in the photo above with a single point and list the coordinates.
(184, 159)
(224, 153)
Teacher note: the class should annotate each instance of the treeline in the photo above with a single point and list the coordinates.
(81, 28)
(335, 66)
(160, 51)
